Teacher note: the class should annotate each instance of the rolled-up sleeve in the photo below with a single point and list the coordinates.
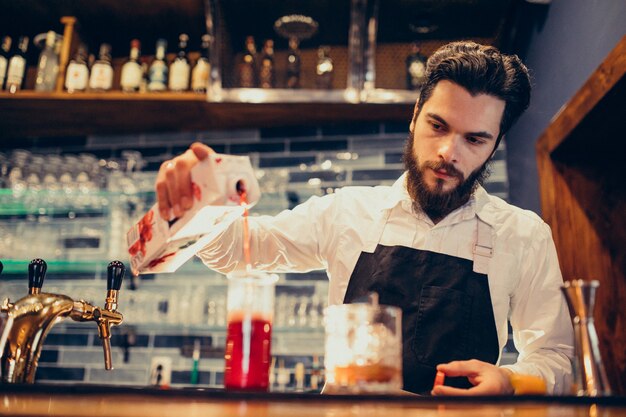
(542, 329)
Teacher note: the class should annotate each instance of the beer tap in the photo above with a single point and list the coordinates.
(107, 316)
(29, 320)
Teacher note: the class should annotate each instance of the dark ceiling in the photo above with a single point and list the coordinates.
(117, 21)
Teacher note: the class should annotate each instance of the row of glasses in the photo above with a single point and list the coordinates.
(293, 311)
(49, 192)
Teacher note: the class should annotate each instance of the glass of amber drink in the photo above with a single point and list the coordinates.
(250, 308)
(363, 349)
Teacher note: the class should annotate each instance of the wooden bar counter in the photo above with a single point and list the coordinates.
(93, 400)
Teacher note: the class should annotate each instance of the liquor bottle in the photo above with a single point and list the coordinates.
(77, 75)
(202, 69)
(415, 68)
(293, 64)
(17, 67)
(132, 74)
(158, 69)
(266, 65)
(179, 70)
(101, 78)
(324, 69)
(247, 66)
(48, 65)
(145, 77)
(4, 58)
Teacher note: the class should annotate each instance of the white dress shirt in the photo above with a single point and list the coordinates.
(330, 232)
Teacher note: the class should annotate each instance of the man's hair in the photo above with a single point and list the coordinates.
(481, 69)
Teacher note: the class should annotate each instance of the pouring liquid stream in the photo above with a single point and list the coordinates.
(243, 201)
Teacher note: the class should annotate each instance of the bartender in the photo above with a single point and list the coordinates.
(458, 261)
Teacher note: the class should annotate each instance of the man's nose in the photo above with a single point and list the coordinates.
(449, 148)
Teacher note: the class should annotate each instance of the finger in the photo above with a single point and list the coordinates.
(460, 368)
(163, 199)
(172, 188)
(446, 390)
(183, 178)
(201, 150)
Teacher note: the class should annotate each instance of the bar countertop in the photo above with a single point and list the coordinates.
(114, 401)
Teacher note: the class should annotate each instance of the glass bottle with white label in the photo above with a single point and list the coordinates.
(48, 65)
(158, 68)
(17, 67)
(77, 75)
(202, 69)
(101, 78)
(132, 73)
(4, 58)
(179, 70)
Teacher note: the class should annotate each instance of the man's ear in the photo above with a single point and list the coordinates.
(414, 119)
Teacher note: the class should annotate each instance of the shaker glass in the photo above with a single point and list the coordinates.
(250, 308)
(363, 349)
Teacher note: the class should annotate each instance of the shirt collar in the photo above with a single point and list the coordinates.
(399, 194)
(478, 205)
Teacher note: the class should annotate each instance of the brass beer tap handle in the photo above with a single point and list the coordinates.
(36, 274)
(109, 316)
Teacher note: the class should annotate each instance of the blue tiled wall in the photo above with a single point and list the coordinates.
(293, 163)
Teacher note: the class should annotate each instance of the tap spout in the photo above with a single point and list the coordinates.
(28, 322)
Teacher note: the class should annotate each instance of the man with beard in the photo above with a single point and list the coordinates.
(457, 261)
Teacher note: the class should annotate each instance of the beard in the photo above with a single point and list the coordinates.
(437, 203)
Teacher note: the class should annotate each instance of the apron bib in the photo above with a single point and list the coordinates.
(446, 305)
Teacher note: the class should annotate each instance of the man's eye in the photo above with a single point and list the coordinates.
(474, 141)
(436, 126)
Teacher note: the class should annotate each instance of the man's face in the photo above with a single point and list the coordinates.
(453, 137)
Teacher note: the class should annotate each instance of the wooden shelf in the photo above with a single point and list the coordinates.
(32, 114)
(583, 198)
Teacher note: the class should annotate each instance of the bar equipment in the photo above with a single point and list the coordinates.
(250, 305)
(363, 349)
(30, 319)
(295, 28)
(589, 374)
(362, 49)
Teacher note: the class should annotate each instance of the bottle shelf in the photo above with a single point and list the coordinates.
(30, 113)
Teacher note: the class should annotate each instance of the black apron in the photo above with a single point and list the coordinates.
(446, 306)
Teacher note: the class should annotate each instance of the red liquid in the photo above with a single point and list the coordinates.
(247, 357)
(243, 201)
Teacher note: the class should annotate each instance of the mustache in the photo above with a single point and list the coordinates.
(446, 166)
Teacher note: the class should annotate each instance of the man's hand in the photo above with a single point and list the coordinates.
(173, 183)
(487, 379)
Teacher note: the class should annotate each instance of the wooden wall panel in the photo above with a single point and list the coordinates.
(583, 198)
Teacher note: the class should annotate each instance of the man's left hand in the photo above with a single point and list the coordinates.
(487, 379)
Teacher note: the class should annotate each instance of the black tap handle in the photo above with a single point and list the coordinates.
(36, 273)
(115, 274)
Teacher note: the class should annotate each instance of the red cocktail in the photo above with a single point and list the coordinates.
(248, 352)
(249, 335)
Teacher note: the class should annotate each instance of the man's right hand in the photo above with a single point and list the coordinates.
(173, 183)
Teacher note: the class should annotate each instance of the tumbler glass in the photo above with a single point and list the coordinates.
(250, 308)
(363, 349)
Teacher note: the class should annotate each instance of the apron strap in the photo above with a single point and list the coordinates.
(483, 248)
(376, 232)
